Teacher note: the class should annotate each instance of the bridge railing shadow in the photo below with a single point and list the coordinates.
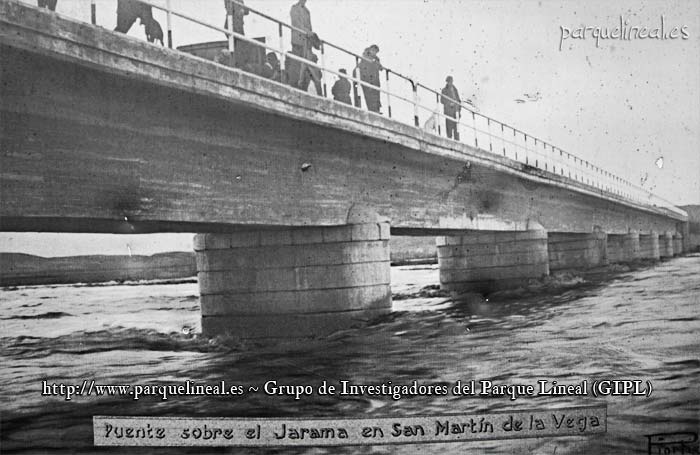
(400, 98)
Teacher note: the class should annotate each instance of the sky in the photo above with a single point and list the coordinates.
(620, 104)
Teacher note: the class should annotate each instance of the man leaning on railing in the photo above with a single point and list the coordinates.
(341, 88)
(50, 4)
(130, 10)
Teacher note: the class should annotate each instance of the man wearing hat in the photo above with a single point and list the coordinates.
(370, 67)
(451, 108)
(341, 88)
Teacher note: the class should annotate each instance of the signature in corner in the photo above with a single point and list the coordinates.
(685, 442)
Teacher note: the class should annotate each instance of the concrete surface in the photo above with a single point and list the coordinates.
(576, 251)
(491, 261)
(106, 133)
(291, 282)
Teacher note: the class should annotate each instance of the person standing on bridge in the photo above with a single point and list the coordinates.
(50, 4)
(237, 11)
(451, 108)
(301, 19)
(369, 72)
(311, 74)
(303, 42)
(130, 10)
(341, 88)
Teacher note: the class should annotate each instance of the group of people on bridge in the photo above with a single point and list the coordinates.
(297, 73)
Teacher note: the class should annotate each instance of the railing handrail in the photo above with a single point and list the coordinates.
(281, 51)
(604, 186)
(324, 42)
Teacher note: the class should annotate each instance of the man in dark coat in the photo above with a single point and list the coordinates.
(237, 12)
(451, 107)
(130, 10)
(341, 88)
(244, 50)
(311, 74)
(50, 4)
(369, 72)
(301, 19)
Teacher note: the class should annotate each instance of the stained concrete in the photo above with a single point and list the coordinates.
(649, 246)
(623, 247)
(105, 133)
(677, 244)
(294, 282)
(666, 245)
(490, 261)
(576, 251)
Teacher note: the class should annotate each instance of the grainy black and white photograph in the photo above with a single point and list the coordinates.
(349, 226)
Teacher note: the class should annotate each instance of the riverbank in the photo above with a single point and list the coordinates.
(18, 269)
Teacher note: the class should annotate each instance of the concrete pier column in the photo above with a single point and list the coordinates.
(666, 245)
(649, 246)
(576, 250)
(293, 283)
(623, 247)
(486, 261)
(677, 244)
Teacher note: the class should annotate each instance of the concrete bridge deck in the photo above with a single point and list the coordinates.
(99, 128)
(295, 196)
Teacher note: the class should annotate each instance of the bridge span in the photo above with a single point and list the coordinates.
(294, 197)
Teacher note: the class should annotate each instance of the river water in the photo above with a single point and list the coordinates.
(641, 323)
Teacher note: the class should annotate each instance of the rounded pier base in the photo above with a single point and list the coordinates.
(677, 244)
(576, 251)
(487, 261)
(623, 247)
(666, 245)
(293, 283)
(649, 246)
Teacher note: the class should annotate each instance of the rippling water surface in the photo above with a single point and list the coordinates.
(641, 324)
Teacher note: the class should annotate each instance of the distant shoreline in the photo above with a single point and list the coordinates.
(17, 269)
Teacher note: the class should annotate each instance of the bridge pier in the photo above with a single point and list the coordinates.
(293, 283)
(666, 245)
(623, 247)
(649, 246)
(576, 250)
(486, 261)
(677, 244)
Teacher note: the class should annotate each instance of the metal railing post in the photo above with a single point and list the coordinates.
(355, 92)
(416, 122)
(229, 21)
(388, 97)
(323, 72)
(503, 140)
(488, 127)
(437, 117)
(282, 55)
(169, 23)
(534, 150)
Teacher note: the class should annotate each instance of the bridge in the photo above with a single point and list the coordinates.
(293, 196)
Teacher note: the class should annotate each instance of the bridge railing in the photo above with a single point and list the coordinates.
(406, 100)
